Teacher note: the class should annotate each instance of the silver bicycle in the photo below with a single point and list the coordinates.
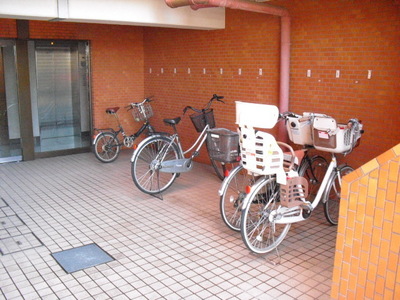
(159, 160)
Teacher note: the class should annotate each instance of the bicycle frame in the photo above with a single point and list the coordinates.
(122, 131)
(183, 164)
(285, 215)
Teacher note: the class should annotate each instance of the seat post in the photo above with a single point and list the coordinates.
(117, 118)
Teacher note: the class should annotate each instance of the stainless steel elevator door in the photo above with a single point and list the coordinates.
(58, 120)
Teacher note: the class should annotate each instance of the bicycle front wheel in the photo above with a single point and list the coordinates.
(146, 165)
(259, 232)
(313, 170)
(107, 147)
(233, 194)
(332, 194)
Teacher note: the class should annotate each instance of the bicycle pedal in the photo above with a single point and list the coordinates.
(306, 210)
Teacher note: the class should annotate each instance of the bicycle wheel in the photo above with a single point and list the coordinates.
(107, 147)
(259, 231)
(313, 170)
(332, 194)
(233, 194)
(146, 164)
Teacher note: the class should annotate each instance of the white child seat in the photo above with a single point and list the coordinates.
(260, 152)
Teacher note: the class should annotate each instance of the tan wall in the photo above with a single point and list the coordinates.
(367, 263)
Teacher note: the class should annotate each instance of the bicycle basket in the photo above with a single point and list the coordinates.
(300, 133)
(332, 137)
(294, 192)
(223, 145)
(200, 120)
(142, 112)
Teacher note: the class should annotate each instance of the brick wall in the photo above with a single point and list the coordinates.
(8, 28)
(226, 62)
(350, 36)
(368, 242)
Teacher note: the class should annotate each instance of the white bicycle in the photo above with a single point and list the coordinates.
(233, 189)
(279, 197)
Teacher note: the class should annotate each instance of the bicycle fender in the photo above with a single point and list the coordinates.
(96, 138)
(248, 197)
(226, 180)
(142, 142)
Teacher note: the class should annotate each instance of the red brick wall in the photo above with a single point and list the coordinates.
(250, 42)
(353, 37)
(8, 28)
(116, 62)
(350, 36)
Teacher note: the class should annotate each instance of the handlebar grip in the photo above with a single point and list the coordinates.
(304, 119)
(218, 98)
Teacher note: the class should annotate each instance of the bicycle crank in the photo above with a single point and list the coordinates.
(176, 165)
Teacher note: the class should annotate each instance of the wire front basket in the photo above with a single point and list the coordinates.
(200, 120)
(223, 145)
(142, 112)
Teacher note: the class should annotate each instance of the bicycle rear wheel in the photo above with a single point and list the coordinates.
(313, 170)
(107, 147)
(146, 164)
(332, 194)
(259, 232)
(233, 194)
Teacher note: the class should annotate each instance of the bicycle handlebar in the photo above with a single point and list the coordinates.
(132, 105)
(214, 97)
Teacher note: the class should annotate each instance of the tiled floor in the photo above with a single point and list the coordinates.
(178, 248)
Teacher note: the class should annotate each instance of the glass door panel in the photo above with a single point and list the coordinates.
(10, 138)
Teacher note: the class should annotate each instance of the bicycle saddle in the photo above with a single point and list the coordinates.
(174, 121)
(112, 110)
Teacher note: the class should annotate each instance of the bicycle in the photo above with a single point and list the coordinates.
(106, 143)
(158, 160)
(233, 188)
(278, 198)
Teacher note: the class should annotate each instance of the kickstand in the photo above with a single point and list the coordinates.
(159, 194)
(274, 258)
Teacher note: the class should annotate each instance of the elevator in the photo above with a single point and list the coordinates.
(59, 99)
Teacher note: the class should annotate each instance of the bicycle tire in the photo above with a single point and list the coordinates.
(145, 166)
(332, 194)
(314, 171)
(107, 147)
(259, 234)
(233, 194)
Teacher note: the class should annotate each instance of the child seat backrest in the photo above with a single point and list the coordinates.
(256, 115)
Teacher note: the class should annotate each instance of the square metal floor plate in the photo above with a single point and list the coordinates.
(80, 258)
